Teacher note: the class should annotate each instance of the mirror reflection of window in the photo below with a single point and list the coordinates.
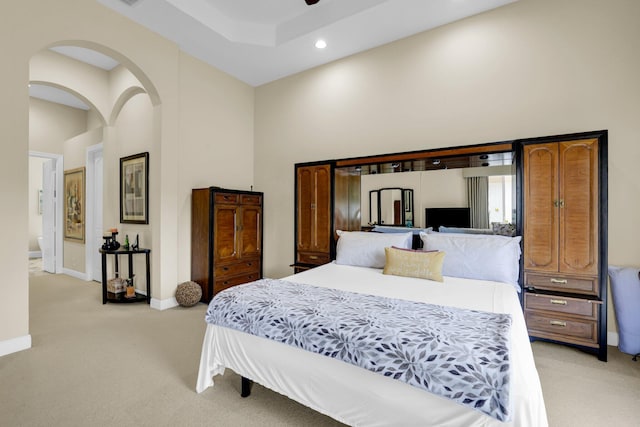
(500, 199)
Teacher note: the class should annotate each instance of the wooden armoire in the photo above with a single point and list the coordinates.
(314, 212)
(226, 238)
(564, 189)
(327, 199)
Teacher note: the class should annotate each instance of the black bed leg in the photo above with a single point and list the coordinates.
(246, 387)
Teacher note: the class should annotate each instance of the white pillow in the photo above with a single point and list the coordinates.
(476, 256)
(464, 230)
(391, 229)
(366, 249)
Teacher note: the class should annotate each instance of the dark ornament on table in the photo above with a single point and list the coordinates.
(110, 242)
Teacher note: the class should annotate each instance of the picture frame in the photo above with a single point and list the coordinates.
(74, 205)
(134, 189)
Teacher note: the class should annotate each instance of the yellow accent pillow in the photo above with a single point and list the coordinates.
(409, 263)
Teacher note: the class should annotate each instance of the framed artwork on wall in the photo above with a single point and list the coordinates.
(74, 205)
(134, 189)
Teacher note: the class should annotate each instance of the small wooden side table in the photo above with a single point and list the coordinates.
(111, 297)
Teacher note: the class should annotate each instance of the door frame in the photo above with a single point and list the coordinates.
(59, 167)
(91, 204)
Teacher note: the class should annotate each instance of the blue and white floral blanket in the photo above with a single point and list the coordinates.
(456, 353)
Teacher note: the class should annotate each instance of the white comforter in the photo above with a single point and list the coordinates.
(359, 397)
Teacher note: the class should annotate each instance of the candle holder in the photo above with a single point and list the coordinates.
(114, 244)
(107, 243)
(110, 243)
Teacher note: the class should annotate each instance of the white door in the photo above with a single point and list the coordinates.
(48, 216)
(97, 216)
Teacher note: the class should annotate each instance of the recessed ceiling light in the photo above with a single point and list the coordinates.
(321, 44)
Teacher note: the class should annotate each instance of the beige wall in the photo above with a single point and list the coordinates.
(532, 68)
(75, 156)
(132, 133)
(51, 124)
(87, 82)
(216, 118)
(536, 67)
(179, 89)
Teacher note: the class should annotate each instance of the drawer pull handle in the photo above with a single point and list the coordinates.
(313, 257)
(249, 264)
(560, 281)
(225, 268)
(558, 323)
(558, 301)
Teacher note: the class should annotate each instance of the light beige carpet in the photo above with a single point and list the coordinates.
(129, 365)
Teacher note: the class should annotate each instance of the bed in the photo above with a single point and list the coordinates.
(357, 396)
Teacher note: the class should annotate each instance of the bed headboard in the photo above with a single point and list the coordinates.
(449, 217)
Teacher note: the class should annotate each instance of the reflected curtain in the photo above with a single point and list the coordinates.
(478, 198)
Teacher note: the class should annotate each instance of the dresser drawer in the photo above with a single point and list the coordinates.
(587, 286)
(226, 198)
(560, 328)
(567, 305)
(250, 199)
(243, 267)
(224, 283)
(317, 258)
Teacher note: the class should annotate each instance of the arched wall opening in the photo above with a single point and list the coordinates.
(122, 119)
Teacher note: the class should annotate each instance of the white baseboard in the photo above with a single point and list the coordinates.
(613, 339)
(76, 274)
(14, 345)
(163, 304)
(35, 254)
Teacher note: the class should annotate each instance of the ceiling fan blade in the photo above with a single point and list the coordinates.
(310, 2)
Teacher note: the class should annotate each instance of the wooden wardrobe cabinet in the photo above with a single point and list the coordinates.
(313, 239)
(226, 238)
(564, 257)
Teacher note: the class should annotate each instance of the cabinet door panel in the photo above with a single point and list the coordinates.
(304, 212)
(225, 228)
(314, 208)
(541, 213)
(250, 242)
(578, 192)
(322, 218)
(200, 251)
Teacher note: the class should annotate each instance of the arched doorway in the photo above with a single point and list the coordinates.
(96, 146)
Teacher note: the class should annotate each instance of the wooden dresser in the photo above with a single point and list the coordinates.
(226, 238)
(564, 257)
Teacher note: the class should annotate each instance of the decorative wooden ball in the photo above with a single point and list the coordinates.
(188, 294)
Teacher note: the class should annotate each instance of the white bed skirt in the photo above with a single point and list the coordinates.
(359, 397)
